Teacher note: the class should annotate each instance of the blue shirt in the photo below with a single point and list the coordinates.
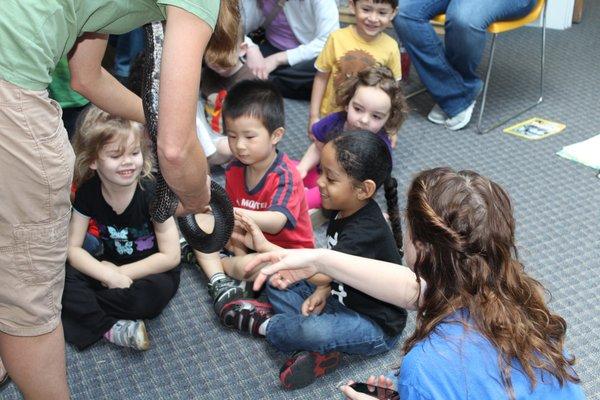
(457, 363)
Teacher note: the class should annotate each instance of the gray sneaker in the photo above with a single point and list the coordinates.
(437, 115)
(461, 119)
(128, 333)
(227, 289)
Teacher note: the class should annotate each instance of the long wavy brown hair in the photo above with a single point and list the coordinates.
(224, 45)
(463, 230)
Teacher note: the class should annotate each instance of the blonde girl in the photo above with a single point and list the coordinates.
(132, 275)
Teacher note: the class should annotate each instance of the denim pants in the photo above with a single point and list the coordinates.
(127, 47)
(449, 72)
(337, 328)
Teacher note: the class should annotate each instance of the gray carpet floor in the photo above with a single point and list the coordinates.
(557, 206)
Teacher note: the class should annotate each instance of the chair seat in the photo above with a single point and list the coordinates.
(505, 26)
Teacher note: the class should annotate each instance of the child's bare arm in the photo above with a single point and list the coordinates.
(318, 91)
(309, 160)
(320, 279)
(268, 221)
(84, 262)
(167, 257)
(315, 303)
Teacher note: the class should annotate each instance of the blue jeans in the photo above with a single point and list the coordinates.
(337, 328)
(128, 46)
(449, 72)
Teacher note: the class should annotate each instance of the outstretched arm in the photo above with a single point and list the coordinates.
(268, 221)
(385, 281)
(309, 160)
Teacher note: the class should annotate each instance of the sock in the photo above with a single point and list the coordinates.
(262, 329)
(217, 277)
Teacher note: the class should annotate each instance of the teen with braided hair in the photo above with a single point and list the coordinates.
(483, 329)
(318, 319)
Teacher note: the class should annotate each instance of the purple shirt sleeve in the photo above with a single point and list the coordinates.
(328, 126)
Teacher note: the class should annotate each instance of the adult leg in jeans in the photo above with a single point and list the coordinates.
(465, 38)
(445, 84)
(449, 73)
(37, 364)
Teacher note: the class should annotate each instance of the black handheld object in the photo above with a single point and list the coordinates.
(376, 392)
(224, 221)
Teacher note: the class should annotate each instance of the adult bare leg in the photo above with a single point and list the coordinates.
(37, 364)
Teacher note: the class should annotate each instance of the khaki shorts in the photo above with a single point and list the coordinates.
(36, 169)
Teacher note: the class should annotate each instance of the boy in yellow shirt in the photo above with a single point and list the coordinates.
(351, 49)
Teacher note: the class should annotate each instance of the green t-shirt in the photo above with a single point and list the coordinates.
(60, 88)
(35, 34)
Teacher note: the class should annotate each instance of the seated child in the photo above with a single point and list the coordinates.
(223, 68)
(136, 274)
(261, 182)
(317, 319)
(372, 101)
(350, 50)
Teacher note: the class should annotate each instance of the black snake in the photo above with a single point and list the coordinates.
(165, 201)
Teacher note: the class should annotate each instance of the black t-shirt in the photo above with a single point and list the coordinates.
(367, 234)
(126, 237)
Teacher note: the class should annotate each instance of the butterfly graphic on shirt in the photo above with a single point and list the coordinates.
(144, 243)
(117, 233)
(119, 237)
(124, 247)
(143, 237)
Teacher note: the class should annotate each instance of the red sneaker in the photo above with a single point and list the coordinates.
(246, 315)
(304, 367)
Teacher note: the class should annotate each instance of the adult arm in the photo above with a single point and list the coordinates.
(385, 281)
(167, 257)
(252, 18)
(182, 160)
(92, 81)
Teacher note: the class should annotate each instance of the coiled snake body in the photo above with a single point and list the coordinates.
(165, 200)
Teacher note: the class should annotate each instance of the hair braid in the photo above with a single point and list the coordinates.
(390, 187)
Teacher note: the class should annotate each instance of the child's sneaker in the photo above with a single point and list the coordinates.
(128, 333)
(246, 315)
(226, 289)
(187, 253)
(304, 367)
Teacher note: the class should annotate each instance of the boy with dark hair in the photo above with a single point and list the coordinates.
(352, 49)
(262, 183)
